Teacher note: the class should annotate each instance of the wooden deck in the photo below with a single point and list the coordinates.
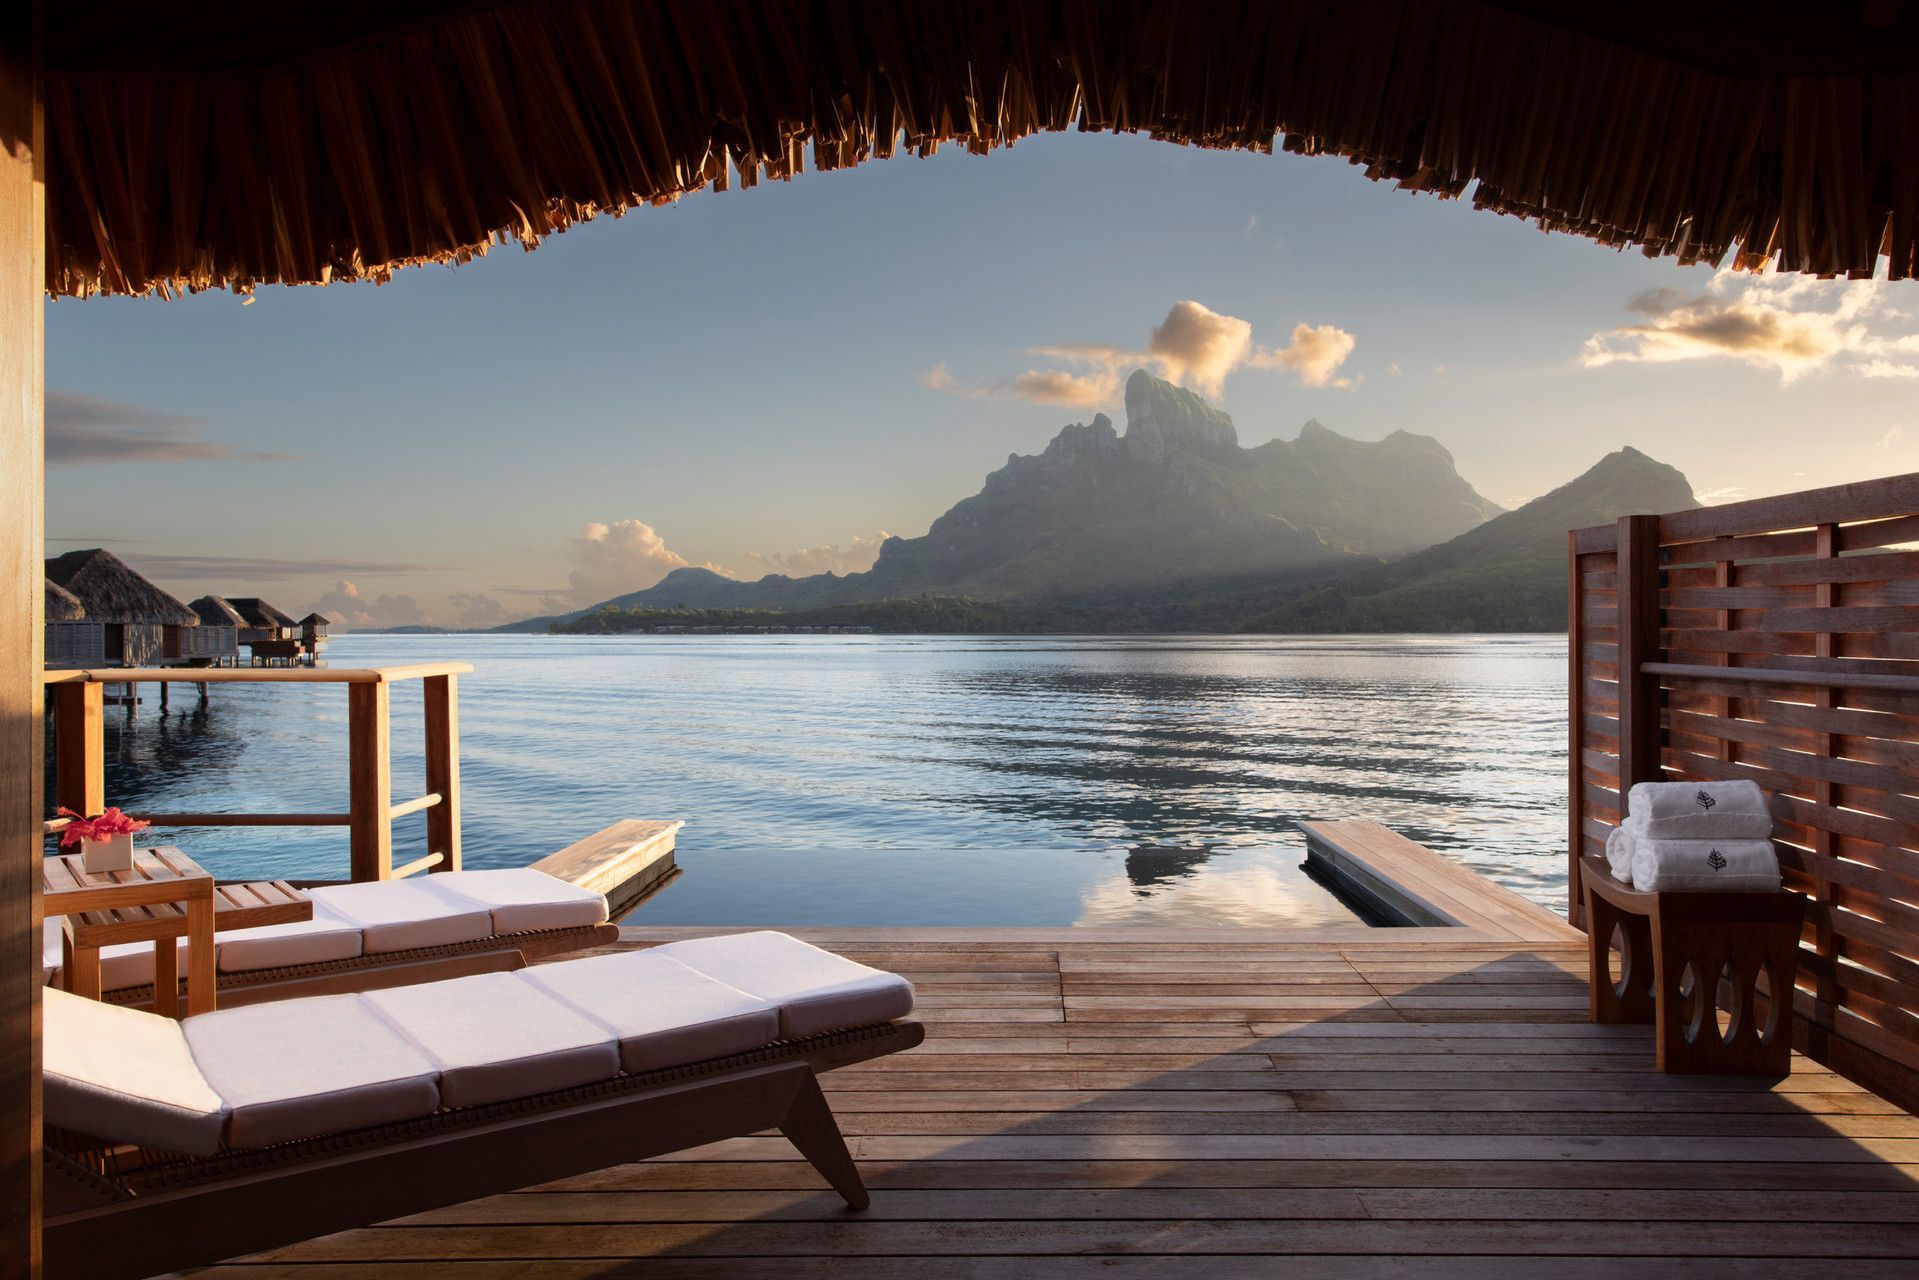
(1408, 884)
(1335, 1103)
(628, 862)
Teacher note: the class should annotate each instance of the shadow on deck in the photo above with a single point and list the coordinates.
(1289, 1105)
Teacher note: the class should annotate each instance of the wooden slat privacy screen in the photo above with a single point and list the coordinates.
(1776, 640)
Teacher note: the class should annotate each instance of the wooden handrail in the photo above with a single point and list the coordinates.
(1776, 675)
(256, 675)
(426, 801)
(77, 699)
(246, 819)
(418, 864)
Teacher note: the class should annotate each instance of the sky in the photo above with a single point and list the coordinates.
(775, 379)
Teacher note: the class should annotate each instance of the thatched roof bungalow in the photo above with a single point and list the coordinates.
(125, 620)
(110, 591)
(216, 640)
(256, 615)
(217, 611)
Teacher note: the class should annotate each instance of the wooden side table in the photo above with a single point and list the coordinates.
(165, 897)
(161, 900)
(1709, 938)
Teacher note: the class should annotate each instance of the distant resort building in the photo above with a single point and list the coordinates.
(216, 640)
(271, 637)
(313, 634)
(123, 620)
(100, 613)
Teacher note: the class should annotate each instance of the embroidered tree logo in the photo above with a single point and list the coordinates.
(1704, 801)
(1716, 860)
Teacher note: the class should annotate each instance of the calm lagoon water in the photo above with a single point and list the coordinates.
(1011, 780)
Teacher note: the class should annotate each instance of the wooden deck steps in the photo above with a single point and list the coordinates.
(1410, 884)
(629, 862)
(1421, 1101)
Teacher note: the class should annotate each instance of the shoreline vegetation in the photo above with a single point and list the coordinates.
(958, 615)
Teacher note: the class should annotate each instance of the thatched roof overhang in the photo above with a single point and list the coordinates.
(256, 612)
(304, 142)
(215, 611)
(62, 604)
(112, 592)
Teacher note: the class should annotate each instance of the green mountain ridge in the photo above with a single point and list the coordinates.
(1508, 574)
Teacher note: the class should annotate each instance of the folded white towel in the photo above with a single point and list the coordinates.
(1619, 843)
(1698, 811)
(1730, 866)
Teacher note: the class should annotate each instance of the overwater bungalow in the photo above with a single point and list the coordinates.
(313, 635)
(1477, 1092)
(125, 620)
(216, 641)
(269, 635)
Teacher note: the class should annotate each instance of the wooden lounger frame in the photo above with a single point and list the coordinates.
(109, 1215)
(378, 970)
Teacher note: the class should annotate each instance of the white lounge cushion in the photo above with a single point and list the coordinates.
(399, 915)
(324, 938)
(296, 1068)
(663, 1013)
(126, 1076)
(816, 990)
(495, 1036)
(522, 899)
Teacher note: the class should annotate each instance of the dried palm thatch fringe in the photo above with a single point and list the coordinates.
(434, 141)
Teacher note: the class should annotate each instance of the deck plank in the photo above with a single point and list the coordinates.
(1416, 1101)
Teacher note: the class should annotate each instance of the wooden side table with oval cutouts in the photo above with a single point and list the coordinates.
(1684, 952)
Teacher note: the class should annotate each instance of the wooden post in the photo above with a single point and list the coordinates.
(1576, 732)
(1639, 733)
(79, 747)
(442, 702)
(369, 781)
(23, 275)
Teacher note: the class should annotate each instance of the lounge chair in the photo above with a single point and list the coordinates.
(174, 1144)
(378, 934)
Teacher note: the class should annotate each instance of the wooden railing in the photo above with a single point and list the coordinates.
(77, 701)
(1776, 640)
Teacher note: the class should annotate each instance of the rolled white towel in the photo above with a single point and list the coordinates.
(1731, 866)
(1619, 843)
(1698, 811)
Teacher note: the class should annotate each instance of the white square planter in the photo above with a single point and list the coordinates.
(112, 854)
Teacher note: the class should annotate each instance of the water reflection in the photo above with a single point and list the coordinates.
(1103, 778)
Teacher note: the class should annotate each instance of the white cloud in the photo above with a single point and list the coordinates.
(856, 556)
(612, 559)
(1193, 346)
(1726, 493)
(1794, 325)
(1315, 354)
(346, 606)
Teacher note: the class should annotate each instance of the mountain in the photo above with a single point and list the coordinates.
(1174, 499)
(1508, 574)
